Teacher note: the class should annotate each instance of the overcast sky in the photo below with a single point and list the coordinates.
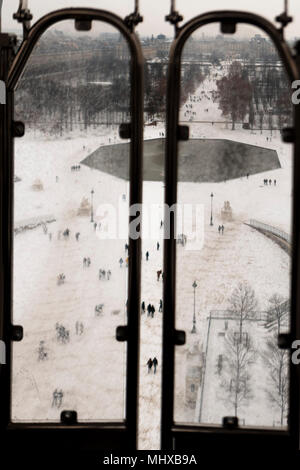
(154, 11)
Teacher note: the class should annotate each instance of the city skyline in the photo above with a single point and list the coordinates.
(154, 13)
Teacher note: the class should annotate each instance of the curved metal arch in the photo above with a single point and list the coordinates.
(120, 435)
(189, 434)
(37, 30)
(237, 17)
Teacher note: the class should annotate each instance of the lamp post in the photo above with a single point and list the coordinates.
(211, 209)
(194, 315)
(92, 210)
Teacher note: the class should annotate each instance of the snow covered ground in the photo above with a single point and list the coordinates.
(240, 255)
(89, 369)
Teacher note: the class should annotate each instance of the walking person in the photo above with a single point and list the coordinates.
(147, 255)
(59, 398)
(108, 274)
(160, 305)
(55, 396)
(42, 351)
(77, 236)
(149, 309)
(143, 307)
(158, 274)
(149, 364)
(222, 228)
(155, 364)
(219, 229)
(121, 262)
(157, 246)
(152, 311)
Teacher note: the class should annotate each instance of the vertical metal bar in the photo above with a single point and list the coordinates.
(169, 287)
(294, 411)
(134, 275)
(6, 189)
(1, 1)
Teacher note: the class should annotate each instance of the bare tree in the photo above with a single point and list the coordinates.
(236, 377)
(243, 303)
(251, 116)
(278, 307)
(234, 93)
(276, 361)
(261, 115)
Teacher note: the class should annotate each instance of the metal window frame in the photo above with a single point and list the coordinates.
(209, 438)
(57, 437)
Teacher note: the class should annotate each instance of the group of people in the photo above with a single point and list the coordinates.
(86, 262)
(62, 334)
(104, 274)
(152, 363)
(61, 279)
(269, 182)
(151, 308)
(221, 229)
(75, 168)
(121, 261)
(97, 225)
(57, 398)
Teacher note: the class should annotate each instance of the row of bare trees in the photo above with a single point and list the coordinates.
(55, 98)
(262, 94)
(241, 352)
(56, 102)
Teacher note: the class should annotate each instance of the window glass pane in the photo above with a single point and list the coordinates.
(233, 250)
(70, 226)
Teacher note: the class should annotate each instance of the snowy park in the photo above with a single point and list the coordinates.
(70, 286)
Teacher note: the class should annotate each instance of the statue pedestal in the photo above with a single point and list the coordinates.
(226, 212)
